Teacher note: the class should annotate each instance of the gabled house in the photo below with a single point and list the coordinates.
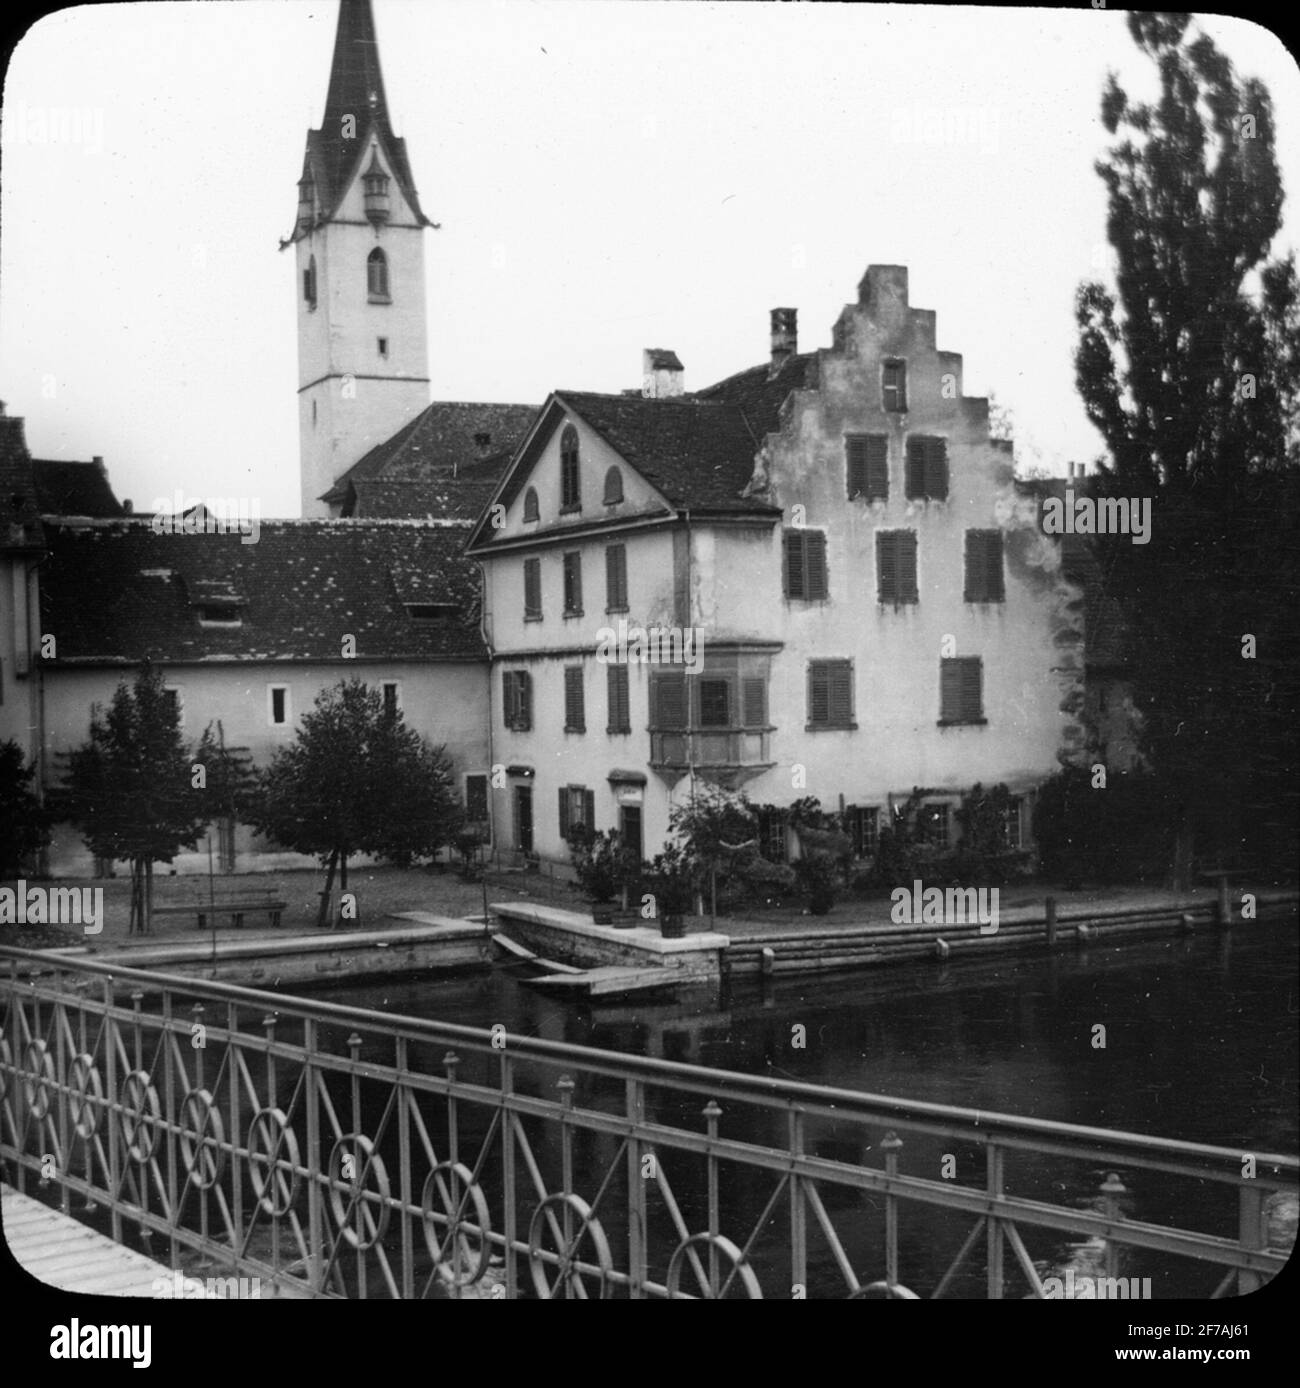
(860, 596)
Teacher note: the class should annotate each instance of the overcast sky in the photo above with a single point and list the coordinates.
(608, 177)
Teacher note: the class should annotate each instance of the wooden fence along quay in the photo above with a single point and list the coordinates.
(335, 1151)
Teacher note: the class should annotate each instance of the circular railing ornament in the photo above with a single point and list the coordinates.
(571, 1213)
(275, 1179)
(140, 1116)
(368, 1183)
(740, 1267)
(85, 1095)
(884, 1291)
(38, 1078)
(202, 1139)
(462, 1252)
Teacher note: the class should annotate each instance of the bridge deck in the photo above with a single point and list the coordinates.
(62, 1252)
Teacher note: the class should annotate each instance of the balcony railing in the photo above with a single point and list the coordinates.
(341, 1152)
(721, 747)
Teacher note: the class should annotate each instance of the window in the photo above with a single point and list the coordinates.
(893, 385)
(864, 830)
(867, 466)
(214, 614)
(927, 469)
(805, 565)
(961, 694)
(531, 512)
(532, 590)
(577, 809)
(772, 834)
(574, 712)
(383, 346)
(830, 694)
(277, 703)
(932, 825)
(615, 578)
(570, 498)
(667, 699)
(476, 798)
(573, 584)
(432, 611)
(392, 698)
(517, 699)
(613, 487)
(377, 276)
(309, 284)
(896, 566)
(984, 566)
(620, 709)
(1011, 824)
(715, 704)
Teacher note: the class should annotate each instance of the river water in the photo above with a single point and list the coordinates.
(1200, 1044)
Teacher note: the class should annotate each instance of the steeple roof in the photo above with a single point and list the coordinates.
(355, 103)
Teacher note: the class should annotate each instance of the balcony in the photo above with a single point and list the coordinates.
(730, 756)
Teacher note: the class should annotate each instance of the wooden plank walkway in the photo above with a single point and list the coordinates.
(62, 1252)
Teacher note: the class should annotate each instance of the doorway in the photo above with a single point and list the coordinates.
(524, 818)
(630, 829)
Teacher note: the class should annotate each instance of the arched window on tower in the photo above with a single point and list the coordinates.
(570, 493)
(531, 512)
(309, 283)
(377, 276)
(613, 487)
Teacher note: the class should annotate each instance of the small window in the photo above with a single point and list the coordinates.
(432, 611)
(577, 809)
(309, 284)
(830, 694)
(570, 492)
(620, 711)
(715, 703)
(867, 466)
(476, 798)
(961, 690)
(573, 584)
(219, 615)
(531, 512)
(613, 487)
(893, 385)
(517, 700)
(864, 829)
(932, 825)
(575, 720)
(927, 469)
(772, 832)
(984, 566)
(392, 698)
(377, 276)
(896, 566)
(278, 704)
(383, 346)
(1011, 819)
(615, 578)
(805, 565)
(532, 590)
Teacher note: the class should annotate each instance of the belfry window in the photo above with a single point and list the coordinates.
(377, 276)
(309, 283)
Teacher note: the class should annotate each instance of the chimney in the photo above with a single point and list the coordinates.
(662, 374)
(785, 336)
(99, 463)
(127, 507)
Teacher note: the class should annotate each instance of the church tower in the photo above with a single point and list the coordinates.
(363, 369)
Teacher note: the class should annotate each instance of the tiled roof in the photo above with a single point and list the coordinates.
(439, 443)
(699, 454)
(453, 498)
(760, 394)
(74, 489)
(20, 523)
(304, 586)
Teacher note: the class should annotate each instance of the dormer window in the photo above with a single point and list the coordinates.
(431, 611)
(570, 495)
(613, 487)
(309, 284)
(531, 511)
(377, 277)
(217, 603)
(375, 183)
(213, 614)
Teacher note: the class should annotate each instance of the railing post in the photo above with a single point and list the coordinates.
(891, 1147)
(509, 1215)
(1111, 1190)
(995, 1249)
(112, 1112)
(311, 1103)
(234, 1059)
(197, 1011)
(451, 1062)
(1251, 1232)
(268, 1023)
(354, 1126)
(798, 1209)
(168, 1043)
(1050, 913)
(636, 1191)
(565, 1086)
(63, 1093)
(401, 1065)
(712, 1112)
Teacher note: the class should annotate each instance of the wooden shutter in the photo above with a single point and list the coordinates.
(509, 702)
(564, 813)
(620, 717)
(877, 467)
(896, 566)
(994, 586)
(961, 690)
(936, 469)
(573, 710)
(754, 700)
(907, 544)
(819, 694)
(794, 569)
(950, 690)
(815, 564)
(615, 577)
(532, 587)
(573, 582)
(589, 808)
(915, 481)
(972, 703)
(715, 703)
(855, 448)
(525, 700)
(841, 691)
(668, 699)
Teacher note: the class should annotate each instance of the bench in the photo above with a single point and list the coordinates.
(235, 907)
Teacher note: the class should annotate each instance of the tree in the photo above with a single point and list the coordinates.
(130, 789)
(228, 783)
(719, 832)
(24, 824)
(1191, 373)
(356, 779)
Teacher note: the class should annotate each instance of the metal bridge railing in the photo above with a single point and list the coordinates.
(339, 1151)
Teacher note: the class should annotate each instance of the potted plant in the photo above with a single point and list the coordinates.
(467, 843)
(669, 879)
(597, 857)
